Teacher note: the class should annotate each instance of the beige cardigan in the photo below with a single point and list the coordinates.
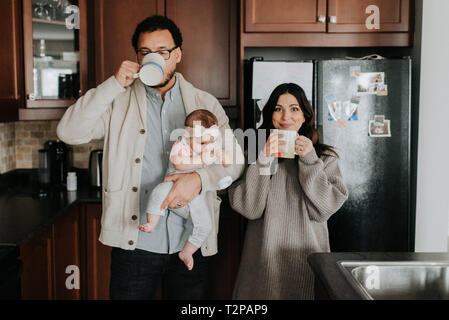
(119, 116)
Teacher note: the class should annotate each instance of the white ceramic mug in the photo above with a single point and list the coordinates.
(152, 70)
(290, 139)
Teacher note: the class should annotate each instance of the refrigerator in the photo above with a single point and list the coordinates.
(362, 109)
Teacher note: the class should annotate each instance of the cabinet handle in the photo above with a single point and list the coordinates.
(333, 19)
(31, 96)
(322, 19)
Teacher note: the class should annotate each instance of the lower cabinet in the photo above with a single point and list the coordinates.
(98, 256)
(36, 256)
(68, 262)
(52, 261)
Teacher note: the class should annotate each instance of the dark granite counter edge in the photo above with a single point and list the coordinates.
(29, 177)
(326, 268)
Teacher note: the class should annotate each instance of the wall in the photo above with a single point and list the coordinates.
(7, 151)
(432, 202)
(20, 142)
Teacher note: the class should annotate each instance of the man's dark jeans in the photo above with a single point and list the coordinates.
(136, 275)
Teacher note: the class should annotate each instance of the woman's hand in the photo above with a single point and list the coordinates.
(303, 146)
(272, 147)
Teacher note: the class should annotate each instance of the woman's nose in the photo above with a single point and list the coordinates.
(285, 115)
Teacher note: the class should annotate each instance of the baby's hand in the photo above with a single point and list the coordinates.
(223, 158)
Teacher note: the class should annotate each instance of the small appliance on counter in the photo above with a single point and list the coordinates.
(95, 168)
(54, 162)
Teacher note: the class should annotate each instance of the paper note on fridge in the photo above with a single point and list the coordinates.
(267, 75)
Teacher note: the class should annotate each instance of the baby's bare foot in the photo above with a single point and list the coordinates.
(147, 227)
(187, 259)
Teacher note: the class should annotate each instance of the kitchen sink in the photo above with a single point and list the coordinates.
(401, 280)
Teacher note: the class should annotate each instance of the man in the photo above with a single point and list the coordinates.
(136, 121)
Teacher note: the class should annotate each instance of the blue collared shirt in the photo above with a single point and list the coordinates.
(163, 117)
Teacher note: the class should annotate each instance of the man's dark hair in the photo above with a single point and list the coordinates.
(155, 23)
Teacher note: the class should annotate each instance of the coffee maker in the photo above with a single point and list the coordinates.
(54, 162)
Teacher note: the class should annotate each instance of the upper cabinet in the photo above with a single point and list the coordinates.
(285, 16)
(114, 26)
(208, 27)
(209, 58)
(55, 54)
(11, 61)
(351, 15)
(326, 23)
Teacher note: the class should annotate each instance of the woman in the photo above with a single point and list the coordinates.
(288, 210)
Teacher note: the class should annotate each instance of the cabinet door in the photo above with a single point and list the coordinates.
(209, 30)
(225, 264)
(115, 23)
(55, 52)
(11, 93)
(285, 16)
(67, 265)
(98, 256)
(36, 278)
(351, 16)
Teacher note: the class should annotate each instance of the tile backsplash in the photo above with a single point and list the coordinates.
(7, 147)
(20, 142)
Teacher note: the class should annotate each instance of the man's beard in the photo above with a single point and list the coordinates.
(163, 84)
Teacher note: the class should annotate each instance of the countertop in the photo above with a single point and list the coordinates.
(326, 269)
(23, 214)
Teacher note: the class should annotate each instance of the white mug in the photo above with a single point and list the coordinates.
(290, 139)
(152, 70)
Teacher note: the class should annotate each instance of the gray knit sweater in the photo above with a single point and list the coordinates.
(288, 213)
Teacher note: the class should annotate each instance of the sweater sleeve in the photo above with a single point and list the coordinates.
(88, 118)
(248, 196)
(322, 184)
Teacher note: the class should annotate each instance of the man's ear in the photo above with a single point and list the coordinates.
(178, 53)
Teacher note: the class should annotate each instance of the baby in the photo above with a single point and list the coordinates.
(198, 147)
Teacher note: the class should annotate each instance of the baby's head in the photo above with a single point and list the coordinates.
(203, 129)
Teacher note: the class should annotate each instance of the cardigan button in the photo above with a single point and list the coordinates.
(142, 131)
(131, 242)
(134, 217)
(138, 160)
(135, 189)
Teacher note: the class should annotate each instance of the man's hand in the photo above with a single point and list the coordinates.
(126, 72)
(186, 187)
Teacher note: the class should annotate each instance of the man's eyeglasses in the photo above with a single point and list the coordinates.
(164, 53)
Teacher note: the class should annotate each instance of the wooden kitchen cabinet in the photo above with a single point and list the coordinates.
(208, 27)
(209, 30)
(326, 23)
(66, 258)
(37, 260)
(46, 257)
(225, 264)
(51, 49)
(11, 61)
(350, 15)
(114, 26)
(73, 241)
(98, 256)
(285, 16)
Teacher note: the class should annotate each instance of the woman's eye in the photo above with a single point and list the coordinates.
(277, 109)
(295, 109)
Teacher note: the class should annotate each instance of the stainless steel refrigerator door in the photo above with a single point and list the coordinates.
(376, 217)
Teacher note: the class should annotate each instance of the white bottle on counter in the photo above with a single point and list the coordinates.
(71, 181)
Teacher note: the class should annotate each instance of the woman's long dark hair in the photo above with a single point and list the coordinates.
(308, 127)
